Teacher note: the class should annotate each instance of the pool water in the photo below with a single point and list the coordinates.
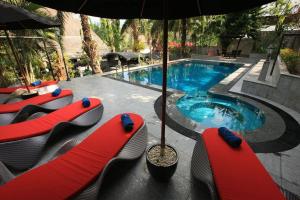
(195, 78)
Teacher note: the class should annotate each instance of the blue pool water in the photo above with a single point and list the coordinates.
(195, 78)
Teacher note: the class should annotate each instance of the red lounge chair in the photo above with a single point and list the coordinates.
(231, 173)
(79, 172)
(21, 144)
(44, 87)
(12, 89)
(19, 111)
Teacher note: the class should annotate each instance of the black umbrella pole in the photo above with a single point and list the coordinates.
(164, 86)
(16, 58)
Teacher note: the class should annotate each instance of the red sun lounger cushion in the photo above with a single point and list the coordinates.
(38, 100)
(70, 173)
(12, 89)
(45, 123)
(238, 174)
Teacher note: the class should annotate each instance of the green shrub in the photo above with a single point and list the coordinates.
(291, 58)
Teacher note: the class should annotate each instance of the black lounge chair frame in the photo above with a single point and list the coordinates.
(23, 154)
(27, 111)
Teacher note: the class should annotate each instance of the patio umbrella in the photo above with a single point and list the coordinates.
(153, 9)
(15, 18)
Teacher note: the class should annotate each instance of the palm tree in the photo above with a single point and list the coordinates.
(146, 26)
(89, 45)
(132, 24)
(109, 31)
(61, 64)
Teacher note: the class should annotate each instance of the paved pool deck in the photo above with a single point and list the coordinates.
(133, 181)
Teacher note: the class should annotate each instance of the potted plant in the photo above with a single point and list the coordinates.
(161, 161)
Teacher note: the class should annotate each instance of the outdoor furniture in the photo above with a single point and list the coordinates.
(12, 89)
(79, 172)
(44, 87)
(21, 144)
(21, 110)
(231, 173)
(224, 52)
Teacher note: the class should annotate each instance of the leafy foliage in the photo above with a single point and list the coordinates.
(110, 33)
(239, 25)
(291, 59)
(280, 9)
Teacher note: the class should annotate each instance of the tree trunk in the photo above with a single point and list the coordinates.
(135, 35)
(183, 36)
(89, 45)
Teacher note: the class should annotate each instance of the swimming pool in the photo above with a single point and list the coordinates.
(195, 78)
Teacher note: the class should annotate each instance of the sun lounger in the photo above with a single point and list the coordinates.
(21, 110)
(12, 89)
(78, 173)
(231, 173)
(43, 88)
(21, 144)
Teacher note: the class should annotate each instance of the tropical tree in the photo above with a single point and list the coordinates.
(89, 45)
(31, 50)
(109, 30)
(280, 9)
(205, 30)
(132, 25)
(240, 24)
(157, 34)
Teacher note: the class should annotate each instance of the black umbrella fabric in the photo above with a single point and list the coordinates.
(15, 18)
(153, 9)
(150, 9)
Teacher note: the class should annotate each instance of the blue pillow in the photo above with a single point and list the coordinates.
(229, 137)
(36, 83)
(127, 122)
(86, 102)
(56, 92)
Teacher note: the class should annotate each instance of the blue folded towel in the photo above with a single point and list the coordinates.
(56, 92)
(86, 102)
(229, 137)
(127, 122)
(36, 83)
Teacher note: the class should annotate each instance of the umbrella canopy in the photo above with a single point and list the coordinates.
(150, 9)
(15, 18)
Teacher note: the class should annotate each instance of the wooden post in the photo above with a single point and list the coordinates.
(48, 58)
(17, 59)
(164, 81)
